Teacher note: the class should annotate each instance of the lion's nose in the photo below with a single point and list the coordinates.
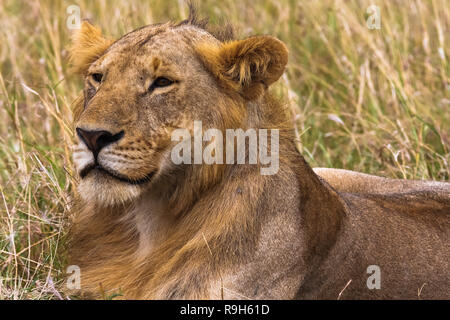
(97, 139)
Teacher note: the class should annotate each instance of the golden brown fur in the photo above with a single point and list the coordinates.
(224, 231)
(356, 182)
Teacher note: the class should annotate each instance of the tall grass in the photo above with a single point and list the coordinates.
(376, 101)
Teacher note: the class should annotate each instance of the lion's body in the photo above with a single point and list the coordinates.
(356, 182)
(405, 234)
(150, 229)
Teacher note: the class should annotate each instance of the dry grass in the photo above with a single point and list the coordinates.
(376, 101)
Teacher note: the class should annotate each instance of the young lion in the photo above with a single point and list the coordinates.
(148, 228)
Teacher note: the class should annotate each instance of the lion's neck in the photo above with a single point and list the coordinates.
(152, 221)
(217, 226)
(238, 225)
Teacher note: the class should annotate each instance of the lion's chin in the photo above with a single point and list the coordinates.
(104, 190)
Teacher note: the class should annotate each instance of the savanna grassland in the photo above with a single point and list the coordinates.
(376, 101)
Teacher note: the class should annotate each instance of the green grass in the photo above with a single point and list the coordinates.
(376, 101)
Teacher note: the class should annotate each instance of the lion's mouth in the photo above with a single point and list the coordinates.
(115, 175)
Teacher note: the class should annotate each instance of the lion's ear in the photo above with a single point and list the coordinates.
(88, 45)
(249, 65)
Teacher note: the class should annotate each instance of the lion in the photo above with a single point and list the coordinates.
(144, 227)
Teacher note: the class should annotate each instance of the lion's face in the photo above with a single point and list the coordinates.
(137, 91)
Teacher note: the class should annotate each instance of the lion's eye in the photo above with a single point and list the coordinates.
(97, 77)
(161, 82)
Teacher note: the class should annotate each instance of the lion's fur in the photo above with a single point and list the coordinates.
(87, 46)
(248, 66)
(226, 231)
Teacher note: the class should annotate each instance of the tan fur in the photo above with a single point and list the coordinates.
(87, 46)
(356, 182)
(226, 231)
(249, 66)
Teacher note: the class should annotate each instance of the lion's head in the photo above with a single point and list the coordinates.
(161, 77)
